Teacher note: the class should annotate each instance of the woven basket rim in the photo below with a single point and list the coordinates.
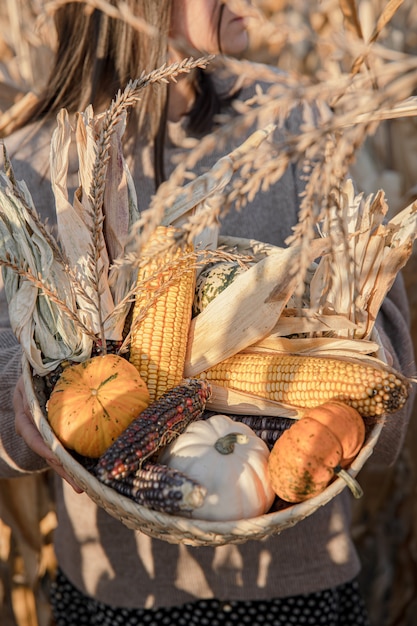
(179, 529)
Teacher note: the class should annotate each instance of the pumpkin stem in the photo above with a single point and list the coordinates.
(226, 444)
(351, 482)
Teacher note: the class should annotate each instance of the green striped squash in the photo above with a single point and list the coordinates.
(214, 279)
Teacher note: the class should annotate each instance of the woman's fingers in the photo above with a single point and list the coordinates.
(26, 429)
(58, 468)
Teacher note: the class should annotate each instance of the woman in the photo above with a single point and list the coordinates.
(107, 573)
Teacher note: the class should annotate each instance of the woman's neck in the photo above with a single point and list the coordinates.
(181, 99)
(181, 93)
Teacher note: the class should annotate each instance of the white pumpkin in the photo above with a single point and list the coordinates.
(230, 461)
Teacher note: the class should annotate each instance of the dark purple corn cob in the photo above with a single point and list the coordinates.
(269, 429)
(160, 488)
(112, 347)
(155, 427)
(50, 379)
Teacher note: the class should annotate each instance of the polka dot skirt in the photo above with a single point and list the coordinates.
(341, 606)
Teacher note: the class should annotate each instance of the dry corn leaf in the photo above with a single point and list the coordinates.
(364, 262)
(350, 14)
(403, 109)
(257, 250)
(106, 182)
(290, 323)
(315, 345)
(198, 190)
(120, 204)
(76, 228)
(246, 310)
(400, 234)
(10, 117)
(387, 14)
(390, 246)
(239, 403)
(195, 195)
(47, 335)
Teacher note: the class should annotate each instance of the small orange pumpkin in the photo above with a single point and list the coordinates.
(302, 462)
(93, 402)
(345, 422)
(305, 459)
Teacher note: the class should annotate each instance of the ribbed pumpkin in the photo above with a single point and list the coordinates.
(305, 459)
(345, 422)
(93, 402)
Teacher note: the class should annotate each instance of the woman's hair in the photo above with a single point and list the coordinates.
(96, 55)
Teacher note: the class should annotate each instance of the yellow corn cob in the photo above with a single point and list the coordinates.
(159, 338)
(304, 382)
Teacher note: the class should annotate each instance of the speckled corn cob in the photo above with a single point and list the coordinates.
(154, 428)
(303, 381)
(160, 488)
(159, 338)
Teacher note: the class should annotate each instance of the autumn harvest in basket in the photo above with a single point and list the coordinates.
(177, 365)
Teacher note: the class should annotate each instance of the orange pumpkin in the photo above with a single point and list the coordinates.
(93, 402)
(345, 422)
(302, 462)
(308, 456)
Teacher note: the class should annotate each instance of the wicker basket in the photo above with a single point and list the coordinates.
(176, 529)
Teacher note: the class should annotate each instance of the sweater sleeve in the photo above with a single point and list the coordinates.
(29, 152)
(15, 456)
(393, 326)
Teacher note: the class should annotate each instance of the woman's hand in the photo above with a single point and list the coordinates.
(26, 429)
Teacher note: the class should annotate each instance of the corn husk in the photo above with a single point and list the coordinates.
(246, 311)
(46, 333)
(365, 261)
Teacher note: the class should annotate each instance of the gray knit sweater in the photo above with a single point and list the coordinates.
(122, 567)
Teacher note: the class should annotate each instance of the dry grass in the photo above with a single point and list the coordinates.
(325, 48)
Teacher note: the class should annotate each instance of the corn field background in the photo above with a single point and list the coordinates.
(306, 39)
